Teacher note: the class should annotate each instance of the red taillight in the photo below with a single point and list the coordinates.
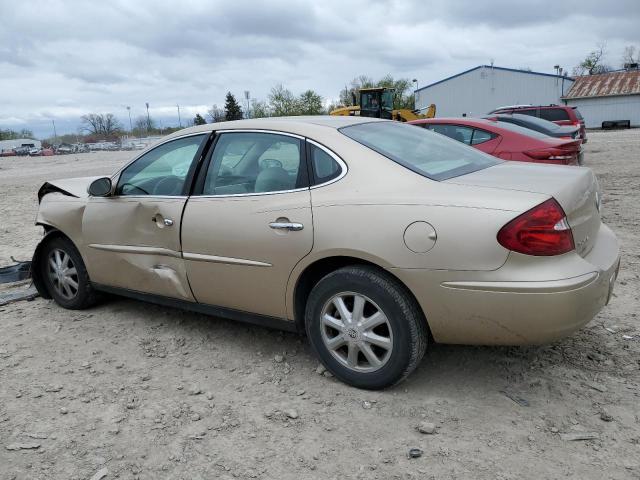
(541, 231)
(552, 154)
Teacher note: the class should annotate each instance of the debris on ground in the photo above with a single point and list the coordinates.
(23, 446)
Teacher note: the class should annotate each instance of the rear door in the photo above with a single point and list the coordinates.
(249, 221)
(132, 238)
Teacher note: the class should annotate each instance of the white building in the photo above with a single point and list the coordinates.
(19, 142)
(485, 88)
(607, 97)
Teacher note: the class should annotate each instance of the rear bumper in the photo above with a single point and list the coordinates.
(529, 300)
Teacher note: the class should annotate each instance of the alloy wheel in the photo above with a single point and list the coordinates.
(62, 273)
(356, 331)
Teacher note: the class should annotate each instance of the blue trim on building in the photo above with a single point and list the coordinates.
(495, 68)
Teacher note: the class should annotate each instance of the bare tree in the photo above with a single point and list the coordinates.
(630, 55)
(593, 63)
(215, 114)
(100, 124)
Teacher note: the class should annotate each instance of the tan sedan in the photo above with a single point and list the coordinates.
(372, 236)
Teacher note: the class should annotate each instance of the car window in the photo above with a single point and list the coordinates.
(554, 114)
(419, 150)
(161, 171)
(521, 130)
(578, 114)
(480, 136)
(325, 167)
(532, 112)
(246, 163)
(457, 132)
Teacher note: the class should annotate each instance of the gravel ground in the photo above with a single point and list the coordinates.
(130, 390)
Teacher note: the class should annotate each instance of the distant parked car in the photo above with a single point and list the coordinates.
(65, 148)
(35, 151)
(558, 114)
(506, 140)
(8, 153)
(46, 152)
(22, 151)
(539, 125)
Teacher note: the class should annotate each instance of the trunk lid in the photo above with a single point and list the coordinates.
(575, 188)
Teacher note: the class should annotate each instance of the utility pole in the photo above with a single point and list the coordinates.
(415, 94)
(130, 124)
(246, 96)
(179, 120)
(55, 134)
(148, 118)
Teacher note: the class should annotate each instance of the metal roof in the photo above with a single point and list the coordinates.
(504, 69)
(606, 85)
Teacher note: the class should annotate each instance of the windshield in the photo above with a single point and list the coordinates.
(427, 153)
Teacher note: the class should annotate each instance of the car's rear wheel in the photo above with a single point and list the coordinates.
(365, 327)
(65, 275)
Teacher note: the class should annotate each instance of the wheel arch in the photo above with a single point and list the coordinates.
(51, 232)
(316, 270)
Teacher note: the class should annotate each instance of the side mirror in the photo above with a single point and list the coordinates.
(100, 187)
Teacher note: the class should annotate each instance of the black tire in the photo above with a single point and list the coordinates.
(84, 296)
(405, 320)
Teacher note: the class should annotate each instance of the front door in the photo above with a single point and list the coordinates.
(132, 238)
(250, 223)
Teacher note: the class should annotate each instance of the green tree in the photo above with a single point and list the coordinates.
(232, 110)
(282, 102)
(310, 103)
(199, 120)
(403, 96)
(259, 109)
(9, 134)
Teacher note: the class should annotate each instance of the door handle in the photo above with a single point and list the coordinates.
(294, 227)
(160, 221)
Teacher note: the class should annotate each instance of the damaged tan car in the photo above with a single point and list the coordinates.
(374, 237)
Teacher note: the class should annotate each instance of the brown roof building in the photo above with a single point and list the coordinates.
(607, 97)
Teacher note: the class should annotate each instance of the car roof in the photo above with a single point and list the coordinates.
(468, 121)
(287, 124)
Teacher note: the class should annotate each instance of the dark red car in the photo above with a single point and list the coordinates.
(558, 114)
(506, 140)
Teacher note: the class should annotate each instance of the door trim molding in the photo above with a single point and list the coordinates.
(199, 257)
(137, 249)
(222, 312)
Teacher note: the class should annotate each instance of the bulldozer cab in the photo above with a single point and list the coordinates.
(376, 102)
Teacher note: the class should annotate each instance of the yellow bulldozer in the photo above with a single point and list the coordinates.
(377, 102)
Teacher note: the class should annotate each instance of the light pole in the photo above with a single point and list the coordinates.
(148, 119)
(55, 135)
(179, 120)
(130, 124)
(247, 96)
(415, 92)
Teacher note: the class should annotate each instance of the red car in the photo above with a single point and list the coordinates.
(506, 140)
(558, 114)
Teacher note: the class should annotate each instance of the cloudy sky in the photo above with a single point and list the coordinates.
(62, 59)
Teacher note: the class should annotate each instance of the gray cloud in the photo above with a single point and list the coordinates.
(59, 59)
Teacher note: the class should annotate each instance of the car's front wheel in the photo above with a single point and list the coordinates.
(65, 275)
(365, 327)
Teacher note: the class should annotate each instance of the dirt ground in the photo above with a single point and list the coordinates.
(140, 391)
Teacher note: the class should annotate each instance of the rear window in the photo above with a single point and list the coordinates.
(420, 150)
(522, 130)
(578, 114)
(554, 114)
(533, 112)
